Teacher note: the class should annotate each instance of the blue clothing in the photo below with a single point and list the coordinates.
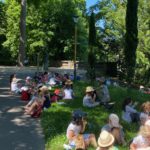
(47, 102)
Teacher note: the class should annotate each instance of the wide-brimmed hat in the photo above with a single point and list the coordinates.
(68, 82)
(105, 139)
(114, 119)
(89, 89)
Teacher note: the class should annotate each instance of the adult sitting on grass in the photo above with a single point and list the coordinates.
(142, 140)
(106, 141)
(68, 91)
(129, 113)
(76, 128)
(103, 92)
(113, 126)
(103, 95)
(89, 99)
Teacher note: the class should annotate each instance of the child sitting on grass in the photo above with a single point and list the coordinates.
(129, 113)
(113, 126)
(106, 141)
(142, 140)
(76, 129)
(89, 99)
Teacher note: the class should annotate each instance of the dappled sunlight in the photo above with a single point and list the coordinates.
(5, 95)
(15, 109)
(20, 121)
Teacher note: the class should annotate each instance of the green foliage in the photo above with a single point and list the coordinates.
(55, 120)
(131, 38)
(12, 29)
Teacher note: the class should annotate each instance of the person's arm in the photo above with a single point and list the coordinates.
(130, 109)
(83, 125)
(71, 135)
(132, 146)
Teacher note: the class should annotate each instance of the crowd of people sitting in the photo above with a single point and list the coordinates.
(38, 91)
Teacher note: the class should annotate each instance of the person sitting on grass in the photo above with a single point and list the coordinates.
(113, 126)
(106, 141)
(89, 99)
(76, 129)
(67, 91)
(145, 112)
(15, 87)
(41, 101)
(129, 113)
(142, 140)
(103, 92)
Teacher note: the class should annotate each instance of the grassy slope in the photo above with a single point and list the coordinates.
(56, 119)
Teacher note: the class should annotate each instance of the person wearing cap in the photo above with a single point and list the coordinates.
(142, 140)
(90, 97)
(113, 126)
(106, 141)
(76, 128)
(68, 93)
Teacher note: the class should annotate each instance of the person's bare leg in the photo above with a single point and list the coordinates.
(92, 140)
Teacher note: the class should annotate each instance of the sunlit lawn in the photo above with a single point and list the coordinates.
(56, 119)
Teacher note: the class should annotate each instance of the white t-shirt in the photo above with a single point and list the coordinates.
(141, 142)
(72, 127)
(14, 87)
(68, 94)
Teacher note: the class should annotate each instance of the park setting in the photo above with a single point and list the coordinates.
(75, 74)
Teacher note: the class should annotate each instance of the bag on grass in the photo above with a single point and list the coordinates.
(25, 96)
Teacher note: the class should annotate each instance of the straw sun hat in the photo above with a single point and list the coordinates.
(89, 89)
(105, 139)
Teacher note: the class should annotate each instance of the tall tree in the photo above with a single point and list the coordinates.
(22, 44)
(92, 44)
(131, 38)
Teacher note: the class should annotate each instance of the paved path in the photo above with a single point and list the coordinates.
(17, 131)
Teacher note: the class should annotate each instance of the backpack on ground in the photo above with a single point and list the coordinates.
(25, 96)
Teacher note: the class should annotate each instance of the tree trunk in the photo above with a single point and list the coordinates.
(22, 44)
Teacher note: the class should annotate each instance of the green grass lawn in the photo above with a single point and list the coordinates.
(55, 120)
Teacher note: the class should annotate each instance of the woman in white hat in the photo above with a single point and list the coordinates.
(113, 126)
(89, 98)
(106, 141)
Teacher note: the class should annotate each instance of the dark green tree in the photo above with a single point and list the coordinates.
(131, 38)
(92, 44)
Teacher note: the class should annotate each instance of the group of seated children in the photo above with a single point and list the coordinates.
(111, 134)
(38, 90)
